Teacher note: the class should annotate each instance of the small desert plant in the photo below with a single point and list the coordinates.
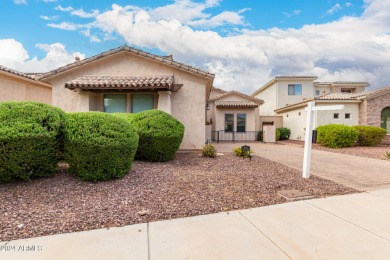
(277, 134)
(209, 151)
(387, 155)
(238, 151)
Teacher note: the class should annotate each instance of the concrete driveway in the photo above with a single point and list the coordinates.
(356, 172)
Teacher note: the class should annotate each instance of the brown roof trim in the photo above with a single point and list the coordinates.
(278, 78)
(235, 104)
(21, 75)
(162, 59)
(122, 82)
(232, 93)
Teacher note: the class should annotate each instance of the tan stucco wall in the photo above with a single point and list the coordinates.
(276, 120)
(326, 117)
(283, 98)
(295, 120)
(14, 88)
(269, 96)
(188, 104)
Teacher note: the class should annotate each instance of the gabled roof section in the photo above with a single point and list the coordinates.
(162, 59)
(21, 75)
(283, 78)
(236, 93)
(15, 72)
(339, 96)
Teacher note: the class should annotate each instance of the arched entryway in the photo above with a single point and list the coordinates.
(385, 119)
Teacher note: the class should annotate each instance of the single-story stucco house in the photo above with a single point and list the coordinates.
(18, 86)
(126, 79)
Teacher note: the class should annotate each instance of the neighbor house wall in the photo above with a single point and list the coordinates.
(188, 104)
(15, 88)
(285, 99)
(269, 95)
(326, 117)
(375, 107)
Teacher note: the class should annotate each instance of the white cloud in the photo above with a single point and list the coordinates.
(13, 55)
(348, 4)
(334, 9)
(65, 26)
(351, 48)
(64, 9)
(293, 13)
(49, 1)
(20, 2)
(81, 13)
(49, 18)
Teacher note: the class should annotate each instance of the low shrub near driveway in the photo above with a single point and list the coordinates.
(284, 133)
(29, 140)
(160, 134)
(336, 136)
(370, 135)
(99, 146)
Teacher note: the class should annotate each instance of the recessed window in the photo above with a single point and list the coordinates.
(229, 122)
(241, 122)
(347, 115)
(317, 92)
(336, 115)
(287, 115)
(141, 102)
(294, 89)
(114, 103)
(299, 113)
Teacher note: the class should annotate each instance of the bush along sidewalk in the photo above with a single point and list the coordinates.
(99, 146)
(370, 135)
(337, 136)
(29, 140)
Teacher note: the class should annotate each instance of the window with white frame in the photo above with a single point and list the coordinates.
(317, 92)
(294, 89)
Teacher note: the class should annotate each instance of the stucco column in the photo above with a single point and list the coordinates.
(164, 101)
(83, 102)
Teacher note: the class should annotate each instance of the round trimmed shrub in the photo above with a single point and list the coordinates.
(29, 134)
(160, 135)
(370, 135)
(99, 146)
(336, 136)
(284, 133)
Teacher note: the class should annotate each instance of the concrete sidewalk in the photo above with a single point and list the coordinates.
(356, 172)
(353, 226)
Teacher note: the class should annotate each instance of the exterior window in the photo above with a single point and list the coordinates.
(114, 103)
(347, 115)
(385, 119)
(336, 115)
(294, 89)
(299, 113)
(317, 92)
(229, 122)
(241, 122)
(141, 102)
(344, 90)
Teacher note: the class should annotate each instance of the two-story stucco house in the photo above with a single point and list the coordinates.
(287, 96)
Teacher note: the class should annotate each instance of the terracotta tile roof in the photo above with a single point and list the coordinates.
(339, 96)
(120, 82)
(223, 103)
(15, 72)
(232, 93)
(162, 59)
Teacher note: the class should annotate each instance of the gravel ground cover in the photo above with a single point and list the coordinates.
(376, 152)
(187, 186)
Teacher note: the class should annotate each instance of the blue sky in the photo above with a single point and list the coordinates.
(245, 43)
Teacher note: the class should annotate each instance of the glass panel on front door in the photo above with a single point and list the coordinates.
(114, 103)
(141, 102)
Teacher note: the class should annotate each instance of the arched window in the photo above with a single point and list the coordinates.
(385, 119)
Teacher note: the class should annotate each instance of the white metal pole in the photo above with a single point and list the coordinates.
(308, 137)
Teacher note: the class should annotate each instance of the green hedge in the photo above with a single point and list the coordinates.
(370, 135)
(336, 136)
(160, 134)
(99, 146)
(284, 133)
(29, 134)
